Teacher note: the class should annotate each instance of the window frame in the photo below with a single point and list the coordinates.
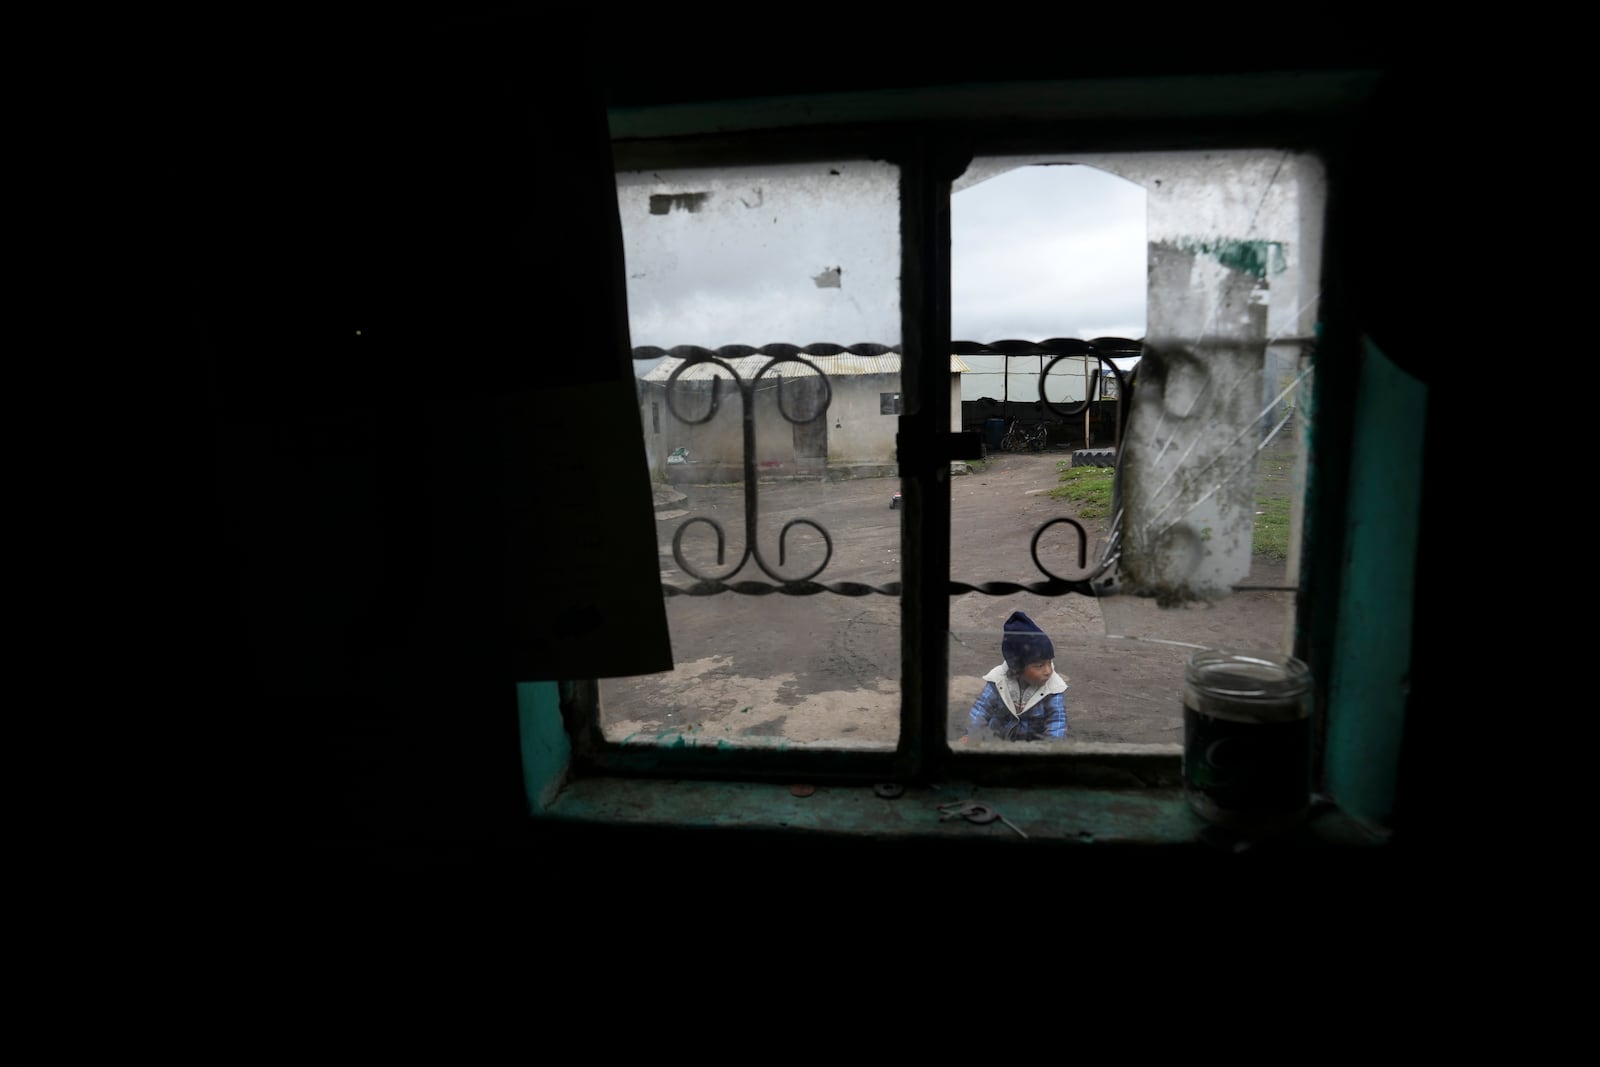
(931, 135)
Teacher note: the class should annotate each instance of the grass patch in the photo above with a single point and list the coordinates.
(1271, 533)
(1090, 489)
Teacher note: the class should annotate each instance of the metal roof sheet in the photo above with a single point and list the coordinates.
(748, 366)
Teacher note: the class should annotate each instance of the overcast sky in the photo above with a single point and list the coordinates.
(1037, 252)
(1047, 251)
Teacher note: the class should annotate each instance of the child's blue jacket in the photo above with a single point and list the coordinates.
(1044, 716)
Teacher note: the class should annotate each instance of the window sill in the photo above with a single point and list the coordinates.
(1049, 817)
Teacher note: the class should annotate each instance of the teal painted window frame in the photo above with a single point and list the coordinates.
(1361, 536)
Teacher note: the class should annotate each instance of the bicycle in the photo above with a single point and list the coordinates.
(1014, 440)
(1021, 438)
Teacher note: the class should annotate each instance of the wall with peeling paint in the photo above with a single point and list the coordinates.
(1235, 250)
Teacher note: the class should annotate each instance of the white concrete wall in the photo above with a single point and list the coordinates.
(857, 430)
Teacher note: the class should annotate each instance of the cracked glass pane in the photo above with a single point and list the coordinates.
(1188, 482)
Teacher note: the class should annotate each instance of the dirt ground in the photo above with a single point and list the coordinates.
(826, 668)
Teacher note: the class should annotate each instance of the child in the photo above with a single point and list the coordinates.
(1023, 699)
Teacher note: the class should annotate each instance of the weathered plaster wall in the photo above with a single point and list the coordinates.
(1233, 268)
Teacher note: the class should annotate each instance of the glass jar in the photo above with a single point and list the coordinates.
(1247, 740)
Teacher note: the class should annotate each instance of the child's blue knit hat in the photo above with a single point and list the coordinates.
(1024, 642)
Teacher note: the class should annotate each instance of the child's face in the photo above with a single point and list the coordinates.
(1038, 672)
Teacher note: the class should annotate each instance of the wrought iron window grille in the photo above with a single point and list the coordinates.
(1100, 581)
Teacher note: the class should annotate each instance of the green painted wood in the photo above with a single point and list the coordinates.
(1367, 691)
(1072, 816)
(546, 749)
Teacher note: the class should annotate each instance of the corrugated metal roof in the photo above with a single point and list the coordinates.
(748, 366)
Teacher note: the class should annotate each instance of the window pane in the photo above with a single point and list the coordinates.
(1206, 438)
(788, 452)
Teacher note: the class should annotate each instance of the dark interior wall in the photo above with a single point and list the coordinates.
(378, 176)
(387, 218)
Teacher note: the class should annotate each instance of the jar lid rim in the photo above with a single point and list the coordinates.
(1245, 676)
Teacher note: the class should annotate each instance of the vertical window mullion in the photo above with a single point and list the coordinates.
(923, 454)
